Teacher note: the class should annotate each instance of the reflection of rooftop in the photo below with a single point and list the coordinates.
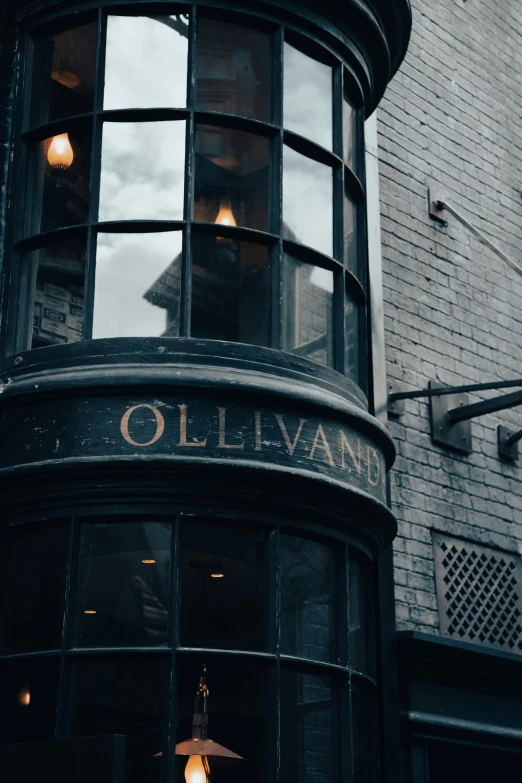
(165, 293)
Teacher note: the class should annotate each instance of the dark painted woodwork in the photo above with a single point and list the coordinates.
(459, 691)
(268, 423)
(82, 760)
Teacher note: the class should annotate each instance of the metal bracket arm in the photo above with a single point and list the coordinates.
(484, 406)
(443, 390)
(451, 413)
(438, 208)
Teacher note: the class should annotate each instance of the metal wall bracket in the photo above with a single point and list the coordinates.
(396, 407)
(508, 442)
(436, 209)
(444, 432)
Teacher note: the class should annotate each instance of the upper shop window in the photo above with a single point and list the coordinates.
(162, 149)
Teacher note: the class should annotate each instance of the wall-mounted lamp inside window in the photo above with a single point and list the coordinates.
(60, 154)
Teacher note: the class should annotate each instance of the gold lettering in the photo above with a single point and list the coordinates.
(160, 425)
(377, 462)
(289, 445)
(222, 433)
(257, 415)
(345, 443)
(183, 430)
(325, 445)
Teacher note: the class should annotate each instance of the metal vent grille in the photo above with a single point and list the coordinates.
(479, 593)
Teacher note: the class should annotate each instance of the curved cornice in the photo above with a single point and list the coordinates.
(372, 35)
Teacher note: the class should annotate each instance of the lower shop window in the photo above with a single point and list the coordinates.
(178, 631)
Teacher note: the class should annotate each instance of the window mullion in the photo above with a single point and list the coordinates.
(276, 193)
(94, 195)
(186, 264)
(277, 586)
(64, 685)
(169, 742)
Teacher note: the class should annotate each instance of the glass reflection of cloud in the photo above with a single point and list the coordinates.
(142, 174)
(146, 62)
(307, 201)
(307, 97)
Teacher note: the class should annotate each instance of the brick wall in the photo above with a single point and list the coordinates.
(453, 309)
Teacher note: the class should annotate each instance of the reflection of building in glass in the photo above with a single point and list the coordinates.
(229, 299)
(165, 293)
(232, 70)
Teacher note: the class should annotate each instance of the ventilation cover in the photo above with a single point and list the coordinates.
(479, 593)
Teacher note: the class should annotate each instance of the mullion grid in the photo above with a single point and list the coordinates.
(95, 173)
(338, 220)
(276, 661)
(190, 159)
(276, 194)
(275, 206)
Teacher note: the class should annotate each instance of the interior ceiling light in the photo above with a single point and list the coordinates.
(24, 696)
(67, 78)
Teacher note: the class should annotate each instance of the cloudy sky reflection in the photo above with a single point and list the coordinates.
(307, 201)
(142, 171)
(307, 97)
(146, 63)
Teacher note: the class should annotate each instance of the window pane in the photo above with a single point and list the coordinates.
(308, 605)
(361, 619)
(54, 276)
(308, 310)
(123, 593)
(231, 185)
(350, 235)
(233, 69)
(226, 611)
(307, 97)
(142, 171)
(237, 706)
(307, 201)
(29, 690)
(59, 191)
(64, 73)
(146, 62)
(137, 285)
(123, 697)
(351, 335)
(229, 290)
(309, 728)
(32, 589)
(349, 132)
(365, 737)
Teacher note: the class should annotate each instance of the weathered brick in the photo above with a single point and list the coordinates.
(452, 307)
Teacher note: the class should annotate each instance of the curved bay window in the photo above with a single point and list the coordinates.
(193, 173)
(191, 177)
(258, 637)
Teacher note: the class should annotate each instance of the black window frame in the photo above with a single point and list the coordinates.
(341, 670)
(344, 83)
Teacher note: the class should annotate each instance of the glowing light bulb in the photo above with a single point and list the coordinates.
(225, 216)
(217, 575)
(24, 697)
(195, 771)
(148, 561)
(60, 153)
